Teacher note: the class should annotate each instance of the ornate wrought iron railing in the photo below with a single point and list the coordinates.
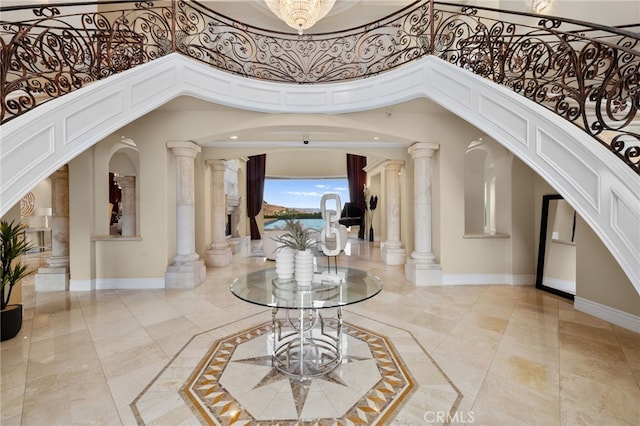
(585, 73)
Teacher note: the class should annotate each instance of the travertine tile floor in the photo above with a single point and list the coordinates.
(516, 354)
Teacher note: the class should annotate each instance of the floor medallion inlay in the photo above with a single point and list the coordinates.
(224, 376)
(237, 383)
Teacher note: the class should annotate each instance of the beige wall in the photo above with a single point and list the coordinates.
(156, 180)
(599, 277)
(307, 163)
(149, 257)
(82, 217)
(522, 215)
(489, 255)
(93, 254)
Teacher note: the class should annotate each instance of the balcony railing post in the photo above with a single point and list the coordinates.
(173, 26)
(432, 27)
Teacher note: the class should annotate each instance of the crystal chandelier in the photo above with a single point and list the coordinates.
(300, 14)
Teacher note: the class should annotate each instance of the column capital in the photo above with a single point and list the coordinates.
(391, 165)
(219, 165)
(184, 148)
(423, 149)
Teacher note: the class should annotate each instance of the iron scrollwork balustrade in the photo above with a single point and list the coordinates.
(587, 74)
(55, 53)
(281, 57)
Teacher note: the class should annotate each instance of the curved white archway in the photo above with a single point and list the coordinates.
(604, 191)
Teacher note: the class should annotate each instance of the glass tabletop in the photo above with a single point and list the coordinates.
(263, 288)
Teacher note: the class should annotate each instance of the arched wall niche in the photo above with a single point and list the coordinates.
(486, 188)
(123, 170)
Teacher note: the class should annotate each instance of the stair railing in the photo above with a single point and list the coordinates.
(586, 73)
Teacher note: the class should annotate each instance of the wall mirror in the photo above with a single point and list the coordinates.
(556, 270)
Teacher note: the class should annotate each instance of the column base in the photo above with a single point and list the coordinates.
(52, 279)
(393, 255)
(423, 274)
(240, 245)
(58, 262)
(185, 275)
(218, 256)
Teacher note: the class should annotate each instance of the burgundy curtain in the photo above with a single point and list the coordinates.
(357, 178)
(115, 194)
(255, 190)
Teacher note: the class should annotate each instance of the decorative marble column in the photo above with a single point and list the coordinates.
(56, 276)
(392, 252)
(187, 270)
(421, 269)
(219, 252)
(128, 219)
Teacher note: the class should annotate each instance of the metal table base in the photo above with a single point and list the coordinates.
(304, 345)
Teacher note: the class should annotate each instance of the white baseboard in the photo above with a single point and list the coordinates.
(81, 285)
(604, 312)
(484, 279)
(116, 284)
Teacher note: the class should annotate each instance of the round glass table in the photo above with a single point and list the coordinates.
(304, 343)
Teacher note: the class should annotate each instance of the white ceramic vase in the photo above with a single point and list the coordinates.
(285, 263)
(304, 268)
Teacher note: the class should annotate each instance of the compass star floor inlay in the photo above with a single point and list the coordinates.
(233, 381)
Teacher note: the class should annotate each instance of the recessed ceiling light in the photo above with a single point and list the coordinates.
(234, 137)
(375, 138)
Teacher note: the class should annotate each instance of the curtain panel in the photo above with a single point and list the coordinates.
(255, 190)
(357, 179)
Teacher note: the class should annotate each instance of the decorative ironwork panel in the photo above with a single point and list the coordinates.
(251, 52)
(585, 73)
(59, 49)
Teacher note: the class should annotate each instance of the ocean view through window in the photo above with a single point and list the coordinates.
(310, 223)
(299, 198)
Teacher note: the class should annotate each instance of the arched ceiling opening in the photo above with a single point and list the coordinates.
(603, 192)
(279, 131)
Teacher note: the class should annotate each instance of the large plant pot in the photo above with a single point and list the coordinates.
(304, 268)
(10, 322)
(285, 263)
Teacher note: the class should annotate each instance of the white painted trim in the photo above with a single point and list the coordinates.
(488, 279)
(116, 284)
(567, 286)
(612, 315)
(602, 189)
(81, 285)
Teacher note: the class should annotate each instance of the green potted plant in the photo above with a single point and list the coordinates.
(12, 246)
(301, 240)
(296, 236)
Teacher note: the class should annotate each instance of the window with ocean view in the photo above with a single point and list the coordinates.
(300, 198)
